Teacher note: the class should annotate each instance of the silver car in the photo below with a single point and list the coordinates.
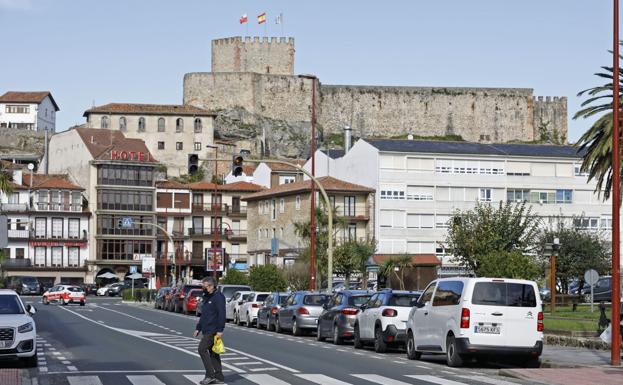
(301, 311)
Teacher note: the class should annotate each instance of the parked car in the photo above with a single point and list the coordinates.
(232, 306)
(602, 291)
(64, 294)
(179, 296)
(103, 291)
(249, 309)
(17, 322)
(160, 296)
(546, 294)
(300, 312)
(229, 290)
(89, 288)
(116, 289)
(381, 321)
(169, 299)
(24, 285)
(190, 301)
(481, 317)
(338, 318)
(267, 314)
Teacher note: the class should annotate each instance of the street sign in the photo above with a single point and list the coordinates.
(127, 223)
(149, 264)
(133, 269)
(210, 254)
(591, 277)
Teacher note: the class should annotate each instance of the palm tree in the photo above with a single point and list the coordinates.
(396, 266)
(5, 181)
(597, 141)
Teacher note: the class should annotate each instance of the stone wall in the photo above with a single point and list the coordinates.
(551, 113)
(15, 141)
(260, 55)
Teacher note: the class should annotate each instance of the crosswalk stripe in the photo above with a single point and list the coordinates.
(144, 380)
(436, 380)
(84, 380)
(488, 380)
(321, 379)
(379, 379)
(264, 379)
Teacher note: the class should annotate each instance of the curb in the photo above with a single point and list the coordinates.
(510, 374)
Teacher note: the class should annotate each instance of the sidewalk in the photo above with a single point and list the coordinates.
(14, 376)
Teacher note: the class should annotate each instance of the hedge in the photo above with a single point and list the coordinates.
(140, 295)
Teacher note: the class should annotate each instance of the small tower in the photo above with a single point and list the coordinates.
(265, 55)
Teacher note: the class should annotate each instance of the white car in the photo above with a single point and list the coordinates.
(233, 304)
(382, 320)
(103, 291)
(477, 317)
(249, 309)
(64, 294)
(18, 333)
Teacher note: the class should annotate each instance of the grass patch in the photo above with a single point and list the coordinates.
(582, 312)
(569, 325)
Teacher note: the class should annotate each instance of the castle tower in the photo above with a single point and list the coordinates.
(265, 55)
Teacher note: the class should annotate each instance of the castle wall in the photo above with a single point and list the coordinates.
(260, 55)
(551, 112)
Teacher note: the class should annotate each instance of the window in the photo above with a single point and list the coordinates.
(123, 124)
(448, 293)
(517, 196)
(40, 227)
(141, 124)
(420, 221)
(392, 218)
(606, 223)
(179, 125)
(503, 294)
(19, 253)
(420, 193)
(427, 296)
(57, 256)
(442, 221)
(130, 200)
(73, 256)
(282, 205)
(564, 196)
(161, 125)
(392, 193)
(197, 146)
(122, 249)
(587, 223)
(16, 109)
(285, 179)
(104, 123)
(298, 202)
(57, 227)
(273, 209)
(577, 168)
(450, 166)
(351, 232)
(73, 228)
(179, 146)
(485, 195)
(197, 125)
(160, 145)
(349, 206)
(39, 256)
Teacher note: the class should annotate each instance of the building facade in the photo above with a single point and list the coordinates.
(35, 111)
(172, 133)
(273, 213)
(270, 175)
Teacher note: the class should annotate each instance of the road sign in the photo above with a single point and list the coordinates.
(591, 277)
(127, 223)
(133, 269)
(149, 264)
(210, 254)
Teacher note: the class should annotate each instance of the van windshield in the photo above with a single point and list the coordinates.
(504, 294)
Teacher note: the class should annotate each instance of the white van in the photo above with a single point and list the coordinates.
(477, 317)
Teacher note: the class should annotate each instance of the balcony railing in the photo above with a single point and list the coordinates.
(14, 207)
(27, 263)
(50, 235)
(224, 233)
(19, 234)
(209, 207)
(45, 206)
(236, 234)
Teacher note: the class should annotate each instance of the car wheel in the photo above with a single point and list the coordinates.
(258, 324)
(45, 301)
(532, 363)
(278, 328)
(296, 330)
(31, 362)
(64, 303)
(319, 336)
(412, 354)
(587, 298)
(82, 303)
(453, 358)
(269, 325)
(379, 345)
(337, 340)
(249, 323)
(356, 339)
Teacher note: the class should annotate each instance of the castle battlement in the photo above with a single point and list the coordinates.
(254, 40)
(264, 55)
(550, 99)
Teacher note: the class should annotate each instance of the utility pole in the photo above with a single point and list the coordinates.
(215, 208)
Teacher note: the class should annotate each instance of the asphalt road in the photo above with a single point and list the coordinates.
(107, 342)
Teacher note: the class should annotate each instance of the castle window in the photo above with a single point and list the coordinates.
(104, 121)
(141, 124)
(161, 125)
(198, 126)
(179, 125)
(123, 124)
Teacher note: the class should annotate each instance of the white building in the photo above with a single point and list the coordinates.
(35, 111)
(420, 184)
(271, 175)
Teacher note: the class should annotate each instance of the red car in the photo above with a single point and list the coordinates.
(64, 294)
(190, 301)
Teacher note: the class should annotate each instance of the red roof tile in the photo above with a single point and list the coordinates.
(203, 185)
(283, 167)
(27, 97)
(171, 184)
(416, 259)
(329, 183)
(102, 142)
(148, 109)
(51, 181)
(241, 186)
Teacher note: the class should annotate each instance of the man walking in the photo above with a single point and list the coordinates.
(211, 324)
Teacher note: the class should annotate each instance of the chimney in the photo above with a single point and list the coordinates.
(348, 137)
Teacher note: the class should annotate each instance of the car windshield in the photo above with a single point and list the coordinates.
(315, 300)
(228, 292)
(74, 289)
(358, 300)
(261, 297)
(9, 304)
(504, 294)
(403, 300)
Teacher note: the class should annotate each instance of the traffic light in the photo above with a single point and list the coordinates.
(193, 163)
(236, 165)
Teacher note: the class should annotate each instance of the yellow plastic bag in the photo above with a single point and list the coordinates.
(219, 346)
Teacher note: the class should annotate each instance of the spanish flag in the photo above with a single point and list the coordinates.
(261, 19)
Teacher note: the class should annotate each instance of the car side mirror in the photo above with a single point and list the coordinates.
(240, 302)
(363, 307)
(420, 305)
(31, 309)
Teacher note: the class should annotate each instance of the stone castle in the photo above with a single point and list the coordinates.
(253, 87)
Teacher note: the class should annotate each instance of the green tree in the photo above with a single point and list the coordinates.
(267, 278)
(596, 142)
(351, 258)
(396, 267)
(234, 277)
(480, 238)
(579, 251)
(6, 179)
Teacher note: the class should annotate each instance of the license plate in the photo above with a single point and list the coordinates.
(483, 329)
(76, 295)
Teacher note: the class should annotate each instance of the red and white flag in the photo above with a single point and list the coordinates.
(244, 19)
(261, 19)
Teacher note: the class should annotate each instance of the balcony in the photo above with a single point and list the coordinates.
(45, 206)
(236, 235)
(355, 217)
(34, 235)
(14, 207)
(199, 232)
(18, 234)
(26, 264)
(209, 208)
(237, 211)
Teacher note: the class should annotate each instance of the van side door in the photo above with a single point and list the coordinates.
(445, 314)
(421, 320)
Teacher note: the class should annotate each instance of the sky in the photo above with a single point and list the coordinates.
(90, 52)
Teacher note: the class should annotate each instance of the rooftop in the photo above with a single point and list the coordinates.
(416, 259)
(333, 153)
(101, 142)
(238, 186)
(501, 149)
(148, 109)
(50, 181)
(285, 167)
(329, 183)
(27, 97)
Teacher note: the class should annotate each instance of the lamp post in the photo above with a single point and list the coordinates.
(215, 207)
(312, 220)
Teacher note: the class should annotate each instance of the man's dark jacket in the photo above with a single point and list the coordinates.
(212, 318)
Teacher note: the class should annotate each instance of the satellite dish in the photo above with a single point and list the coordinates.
(31, 166)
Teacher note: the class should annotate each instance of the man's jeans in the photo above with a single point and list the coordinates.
(211, 360)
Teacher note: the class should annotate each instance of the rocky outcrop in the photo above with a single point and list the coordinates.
(15, 141)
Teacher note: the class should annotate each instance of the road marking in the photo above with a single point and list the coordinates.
(135, 371)
(262, 369)
(248, 363)
(436, 380)
(84, 380)
(144, 380)
(65, 362)
(233, 358)
(488, 380)
(399, 362)
(194, 378)
(321, 379)
(72, 368)
(43, 369)
(379, 379)
(264, 379)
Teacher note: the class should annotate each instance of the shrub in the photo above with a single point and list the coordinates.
(140, 295)
(234, 277)
(267, 278)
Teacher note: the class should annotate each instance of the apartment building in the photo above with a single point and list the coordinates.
(420, 184)
(35, 111)
(273, 213)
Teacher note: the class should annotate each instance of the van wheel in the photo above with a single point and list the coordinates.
(453, 358)
(532, 363)
(412, 354)
(379, 345)
(249, 323)
(357, 344)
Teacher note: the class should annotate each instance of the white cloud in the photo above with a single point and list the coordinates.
(16, 4)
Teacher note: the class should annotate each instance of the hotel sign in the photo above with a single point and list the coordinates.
(132, 156)
(56, 243)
